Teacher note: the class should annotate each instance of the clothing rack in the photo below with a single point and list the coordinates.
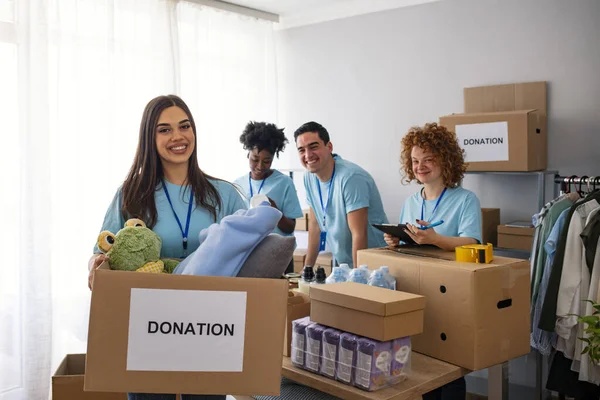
(565, 182)
(563, 185)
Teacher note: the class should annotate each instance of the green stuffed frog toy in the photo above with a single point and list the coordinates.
(135, 248)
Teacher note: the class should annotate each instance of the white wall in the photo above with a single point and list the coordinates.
(367, 79)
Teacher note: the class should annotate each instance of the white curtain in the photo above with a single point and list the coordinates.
(75, 76)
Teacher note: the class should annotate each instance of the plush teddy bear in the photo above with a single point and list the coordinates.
(135, 248)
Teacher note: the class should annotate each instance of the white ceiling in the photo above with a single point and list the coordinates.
(294, 13)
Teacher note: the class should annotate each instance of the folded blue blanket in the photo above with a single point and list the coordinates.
(224, 247)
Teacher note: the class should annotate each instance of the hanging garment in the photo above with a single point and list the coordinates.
(574, 282)
(542, 340)
(548, 316)
(546, 220)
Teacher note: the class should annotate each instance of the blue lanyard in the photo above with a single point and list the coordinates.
(189, 214)
(434, 208)
(250, 184)
(324, 208)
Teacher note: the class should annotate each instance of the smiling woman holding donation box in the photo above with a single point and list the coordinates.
(442, 213)
(167, 190)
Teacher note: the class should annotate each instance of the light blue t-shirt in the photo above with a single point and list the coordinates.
(279, 188)
(166, 225)
(459, 209)
(352, 188)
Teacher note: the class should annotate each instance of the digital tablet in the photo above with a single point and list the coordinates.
(395, 230)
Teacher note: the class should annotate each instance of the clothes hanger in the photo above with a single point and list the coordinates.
(581, 193)
(571, 180)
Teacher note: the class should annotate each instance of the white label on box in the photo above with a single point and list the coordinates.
(484, 142)
(344, 372)
(328, 359)
(363, 369)
(383, 362)
(186, 330)
(313, 354)
(297, 348)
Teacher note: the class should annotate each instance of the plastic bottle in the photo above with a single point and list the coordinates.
(388, 277)
(320, 277)
(346, 268)
(365, 271)
(377, 279)
(357, 275)
(308, 276)
(337, 275)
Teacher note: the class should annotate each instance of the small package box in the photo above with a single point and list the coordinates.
(302, 223)
(67, 382)
(477, 314)
(299, 257)
(518, 238)
(369, 311)
(298, 306)
(490, 219)
(503, 127)
(161, 333)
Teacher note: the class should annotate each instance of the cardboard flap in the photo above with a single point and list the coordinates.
(492, 113)
(511, 97)
(369, 299)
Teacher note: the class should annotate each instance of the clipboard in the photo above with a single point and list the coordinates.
(397, 231)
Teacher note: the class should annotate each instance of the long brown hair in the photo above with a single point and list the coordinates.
(146, 172)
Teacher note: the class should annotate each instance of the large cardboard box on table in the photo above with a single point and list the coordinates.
(518, 238)
(160, 333)
(503, 127)
(477, 315)
(324, 259)
(67, 382)
(298, 306)
(373, 312)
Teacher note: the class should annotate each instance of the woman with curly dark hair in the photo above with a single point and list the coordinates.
(432, 157)
(265, 141)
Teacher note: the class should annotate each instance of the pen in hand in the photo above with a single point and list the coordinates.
(432, 225)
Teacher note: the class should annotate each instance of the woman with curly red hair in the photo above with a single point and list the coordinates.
(432, 157)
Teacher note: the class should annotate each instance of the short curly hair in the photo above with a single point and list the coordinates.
(443, 144)
(263, 136)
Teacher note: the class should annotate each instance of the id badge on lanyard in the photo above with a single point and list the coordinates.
(323, 236)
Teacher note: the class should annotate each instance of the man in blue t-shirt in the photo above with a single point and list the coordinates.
(344, 200)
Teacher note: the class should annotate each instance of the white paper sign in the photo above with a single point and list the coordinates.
(484, 142)
(186, 330)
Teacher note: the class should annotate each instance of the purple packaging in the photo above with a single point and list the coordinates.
(346, 358)
(373, 364)
(329, 349)
(400, 359)
(299, 341)
(314, 340)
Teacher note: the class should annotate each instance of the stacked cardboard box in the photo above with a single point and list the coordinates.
(503, 127)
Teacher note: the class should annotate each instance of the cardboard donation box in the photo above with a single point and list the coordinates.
(503, 127)
(67, 382)
(160, 333)
(298, 306)
(477, 314)
(490, 219)
(373, 312)
(519, 238)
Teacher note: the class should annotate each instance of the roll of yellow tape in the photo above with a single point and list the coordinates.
(476, 253)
